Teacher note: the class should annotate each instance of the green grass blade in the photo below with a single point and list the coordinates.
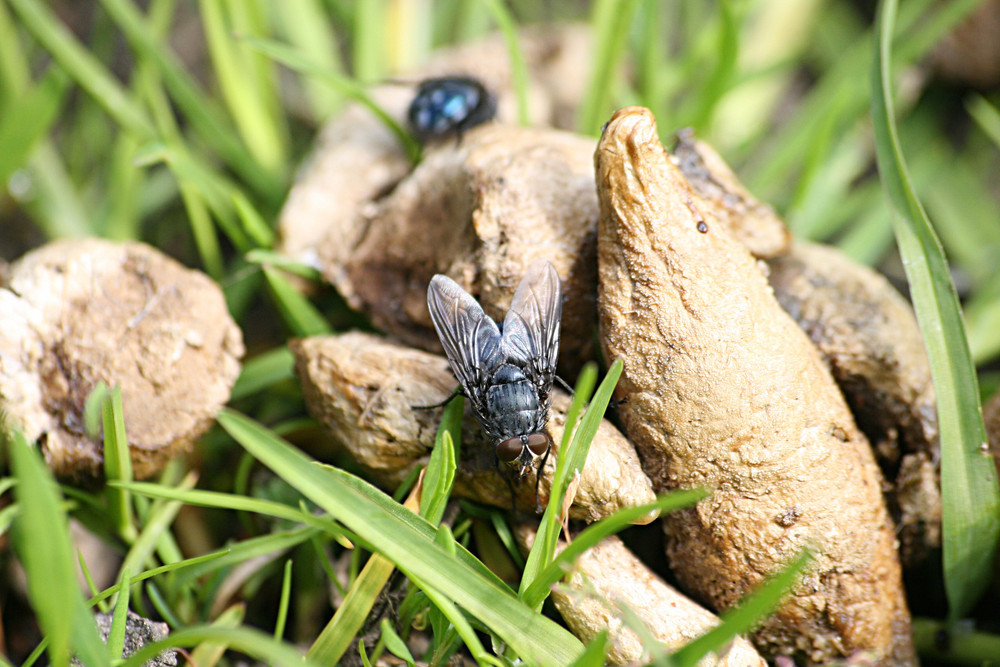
(263, 371)
(986, 116)
(593, 654)
(299, 314)
(286, 591)
(547, 536)
(209, 654)
(116, 636)
(25, 122)
(970, 495)
(208, 187)
(395, 644)
(239, 503)
(338, 634)
(285, 263)
(252, 642)
(964, 646)
(83, 67)
(410, 542)
(720, 76)
(571, 460)
(307, 24)
(611, 22)
(461, 624)
(206, 119)
(157, 523)
(270, 545)
(117, 465)
(982, 321)
(745, 616)
(253, 222)
(347, 87)
(149, 574)
(440, 473)
(538, 590)
(42, 543)
(518, 68)
(369, 29)
(246, 90)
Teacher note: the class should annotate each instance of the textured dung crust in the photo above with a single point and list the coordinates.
(724, 390)
(869, 338)
(79, 312)
(609, 578)
(720, 195)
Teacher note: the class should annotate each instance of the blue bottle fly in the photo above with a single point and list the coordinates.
(507, 375)
(449, 106)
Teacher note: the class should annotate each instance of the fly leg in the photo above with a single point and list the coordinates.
(564, 385)
(456, 392)
(508, 477)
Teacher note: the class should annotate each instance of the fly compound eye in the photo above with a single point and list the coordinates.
(539, 443)
(509, 450)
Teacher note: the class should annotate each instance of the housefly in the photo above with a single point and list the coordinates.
(449, 105)
(506, 372)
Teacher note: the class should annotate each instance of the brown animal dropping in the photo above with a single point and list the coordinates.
(725, 391)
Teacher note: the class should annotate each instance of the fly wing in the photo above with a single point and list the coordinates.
(470, 338)
(531, 328)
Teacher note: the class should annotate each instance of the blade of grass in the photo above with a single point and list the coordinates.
(349, 88)
(395, 644)
(611, 21)
(353, 611)
(263, 371)
(42, 544)
(970, 495)
(206, 119)
(410, 542)
(982, 321)
(56, 206)
(245, 89)
(785, 146)
(116, 635)
(286, 589)
(723, 67)
(285, 263)
(149, 574)
(440, 472)
(539, 588)
(209, 654)
(369, 39)
(117, 466)
(25, 123)
(81, 65)
(745, 616)
(238, 503)
(158, 522)
(962, 647)
(518, 68)
(296, 310)
(571, 460)
(307, 24)
(593, 654)
(250, 641)
(253, 222)
(986, 116)
(213, 191)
